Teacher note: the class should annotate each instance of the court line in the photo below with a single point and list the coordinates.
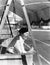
(42, 42)
(40, 30)
(41, 55)
(35, 3)
(44, 59)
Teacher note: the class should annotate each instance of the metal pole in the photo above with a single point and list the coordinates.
(10, 27)
(5, 14)
(29, 29)
(4, 10)
(14, 11)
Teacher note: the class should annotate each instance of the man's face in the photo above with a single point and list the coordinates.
(17, 33)
(24, 37)
(26, 34)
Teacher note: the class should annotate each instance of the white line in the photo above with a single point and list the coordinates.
(42, 42)
(47, 2)
(40, 30)
(44, 59)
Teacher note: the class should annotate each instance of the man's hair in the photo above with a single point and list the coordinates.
(23, 30)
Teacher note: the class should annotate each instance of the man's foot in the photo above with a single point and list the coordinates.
(11, 50)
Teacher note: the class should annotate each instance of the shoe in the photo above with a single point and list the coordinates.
(11, 50)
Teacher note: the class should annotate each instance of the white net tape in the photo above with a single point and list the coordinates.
(35, 3)
(47, 2)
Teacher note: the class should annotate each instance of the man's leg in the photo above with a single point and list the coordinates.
(24, 61)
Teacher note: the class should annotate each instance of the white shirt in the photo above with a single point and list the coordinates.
(20, 45)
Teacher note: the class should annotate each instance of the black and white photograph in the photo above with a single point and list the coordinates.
(24, 32)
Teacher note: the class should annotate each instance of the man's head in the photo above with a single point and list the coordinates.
(23, 30)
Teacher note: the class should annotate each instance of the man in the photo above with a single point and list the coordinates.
(17, 43)
(20, 44)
